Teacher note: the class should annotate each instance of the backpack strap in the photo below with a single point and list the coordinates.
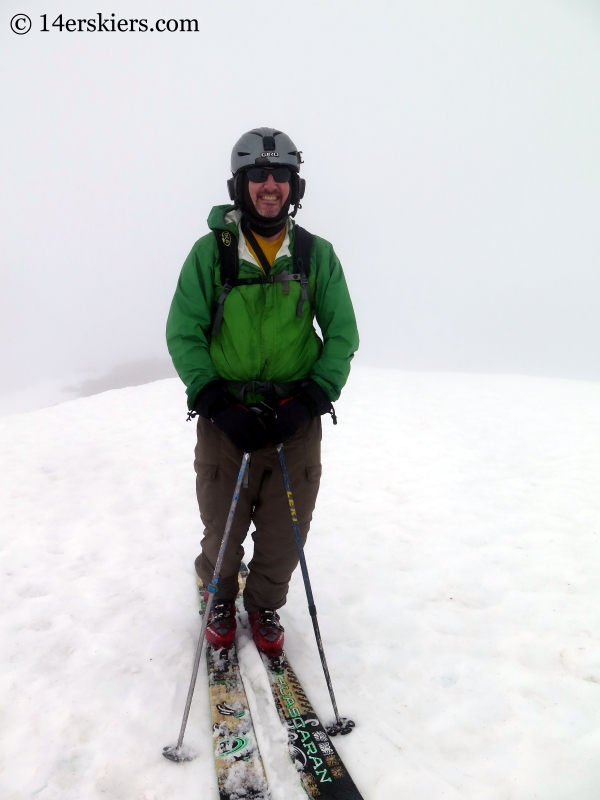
(230, 267)
(264, 262)
(303, 242)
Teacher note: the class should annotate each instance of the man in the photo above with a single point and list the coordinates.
(241, 336)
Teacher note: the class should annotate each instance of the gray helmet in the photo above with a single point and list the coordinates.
(263, 146)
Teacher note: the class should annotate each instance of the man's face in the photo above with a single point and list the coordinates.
(268, 197)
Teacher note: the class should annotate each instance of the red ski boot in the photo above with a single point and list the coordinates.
(267, 632)
(220, 631)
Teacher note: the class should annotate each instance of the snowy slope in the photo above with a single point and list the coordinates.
(455, 559)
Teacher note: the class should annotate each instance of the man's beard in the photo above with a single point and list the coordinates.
(260, 223)
(272, 213)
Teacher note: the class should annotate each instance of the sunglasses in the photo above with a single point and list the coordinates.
(261, 174)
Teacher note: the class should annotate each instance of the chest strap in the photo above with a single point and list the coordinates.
(283, 277)
(229, 260)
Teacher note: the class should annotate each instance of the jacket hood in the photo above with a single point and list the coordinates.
(216, 219)
(227, 218)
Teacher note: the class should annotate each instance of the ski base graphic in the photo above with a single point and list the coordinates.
(240, 770)
(320, 768)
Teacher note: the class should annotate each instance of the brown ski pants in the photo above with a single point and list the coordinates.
(264, 502)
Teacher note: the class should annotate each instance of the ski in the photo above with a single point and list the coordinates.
(239, 766)
(321, 770)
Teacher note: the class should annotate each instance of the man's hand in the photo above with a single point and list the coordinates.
(243, 426)
(212, 399)
(291, 415)
(294, 412)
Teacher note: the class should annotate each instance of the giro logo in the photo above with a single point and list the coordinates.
(226, 238)
(270, 153)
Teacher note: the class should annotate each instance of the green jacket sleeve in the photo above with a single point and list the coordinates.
(335, 315)
(189, 322)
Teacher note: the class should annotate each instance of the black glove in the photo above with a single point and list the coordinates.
(214, 397)
(294, 412)
(243, 426)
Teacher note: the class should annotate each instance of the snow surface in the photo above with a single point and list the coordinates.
(454, 556)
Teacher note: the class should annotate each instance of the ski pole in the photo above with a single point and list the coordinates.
(176, 753)
(342, 724)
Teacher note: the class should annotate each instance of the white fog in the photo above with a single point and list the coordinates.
(451, 157)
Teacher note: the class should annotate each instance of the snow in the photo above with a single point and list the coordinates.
(453, 557)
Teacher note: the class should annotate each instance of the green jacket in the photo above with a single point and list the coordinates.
(261, 337)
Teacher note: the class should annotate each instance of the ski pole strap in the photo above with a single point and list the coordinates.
(246, 481)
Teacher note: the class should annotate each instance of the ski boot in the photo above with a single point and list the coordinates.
(220, 631)
(267, 632)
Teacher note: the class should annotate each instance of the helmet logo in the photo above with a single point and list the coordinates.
(226, 238)
(270, 153)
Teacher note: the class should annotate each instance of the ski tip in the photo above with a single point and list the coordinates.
(179, 754)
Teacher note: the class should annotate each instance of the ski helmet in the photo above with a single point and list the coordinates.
(265, 147)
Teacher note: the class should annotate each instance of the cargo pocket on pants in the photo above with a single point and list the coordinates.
(207, 472)
(313, 472)
(312, 450)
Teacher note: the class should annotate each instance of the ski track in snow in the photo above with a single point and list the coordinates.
(454, 557)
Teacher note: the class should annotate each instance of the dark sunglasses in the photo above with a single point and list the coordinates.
(261, 174)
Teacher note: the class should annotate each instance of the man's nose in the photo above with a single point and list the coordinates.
(270, 182)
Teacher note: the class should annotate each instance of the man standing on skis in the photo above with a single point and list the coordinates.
(241, 336)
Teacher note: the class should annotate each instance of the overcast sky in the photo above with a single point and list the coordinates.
(452, 156)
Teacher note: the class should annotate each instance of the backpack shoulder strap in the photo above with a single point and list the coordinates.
(230, 267)
(258, 251)
(303, 242)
